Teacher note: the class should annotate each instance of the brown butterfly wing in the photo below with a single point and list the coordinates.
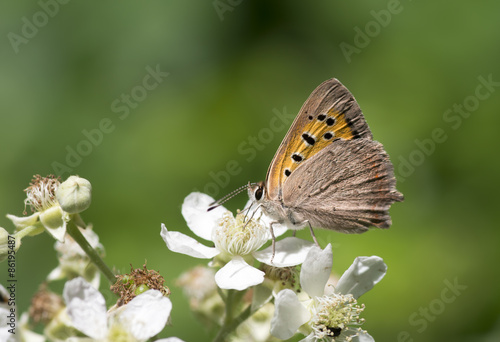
(330, 113)
(348, 186)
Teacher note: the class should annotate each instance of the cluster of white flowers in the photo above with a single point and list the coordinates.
(310, 308)
(250, 290)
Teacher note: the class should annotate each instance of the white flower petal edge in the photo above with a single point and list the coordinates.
(362, 336)
(5, 335)
(238, 275)
(24, 221)
(180, 243)
(290, 251)
(198, 219)
(309, 338)
(261, 296)
(316, 270)
(58, 233)
(170, 339)
(56, 274)
(361, 276)
(146, 315)
(86, 308)
(289, 315)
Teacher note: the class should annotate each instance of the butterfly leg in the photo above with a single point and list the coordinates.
(312, 234)
(273, 240)
(253, 214)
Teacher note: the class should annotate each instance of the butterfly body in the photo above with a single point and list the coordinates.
(329, 172)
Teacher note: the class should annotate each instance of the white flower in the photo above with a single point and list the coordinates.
(256, 327)
(142, 318)
(198, 284)
(12, 330)
(41, 196)
(236, 240)
(8, 320)
(73, 261)
(327, 317)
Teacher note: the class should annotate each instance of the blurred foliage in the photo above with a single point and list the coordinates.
(226, 79)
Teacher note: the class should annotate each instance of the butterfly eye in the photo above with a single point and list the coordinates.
(258, 193)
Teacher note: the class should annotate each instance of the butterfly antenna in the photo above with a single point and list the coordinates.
(227, 197)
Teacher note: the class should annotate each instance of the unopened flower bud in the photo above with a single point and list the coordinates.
(8, 243)
(74, 194)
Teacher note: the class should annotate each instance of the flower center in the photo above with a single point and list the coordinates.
(128, 286)
(335, 313)
(237, 236)
(286, 276)
(41, 194)
(118, 333)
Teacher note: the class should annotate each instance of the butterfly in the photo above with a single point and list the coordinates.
(328, 171)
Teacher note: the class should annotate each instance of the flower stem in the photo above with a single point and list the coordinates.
(231, 323)
(75, 233)
(27, 231)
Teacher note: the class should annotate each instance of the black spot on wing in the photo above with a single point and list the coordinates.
(328, 135)
(297, 157)
(330, 121)
(308, 139)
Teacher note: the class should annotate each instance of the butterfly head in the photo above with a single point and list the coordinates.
(256, 191)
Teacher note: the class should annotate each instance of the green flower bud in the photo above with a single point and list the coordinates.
(8, 244)
(74, 195)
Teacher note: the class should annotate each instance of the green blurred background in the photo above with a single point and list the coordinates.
(411, 65)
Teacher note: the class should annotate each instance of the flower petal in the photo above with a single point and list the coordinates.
(180, 243)
(56, 274)
(261, 295)
(361, 276)
(86, 308)
(289, 315)
(290, 251)
(170, 339)
(316, 270)
(58, 233)
(238, 275)
(198, 219)
(309, 338)
(5, 335)
(360, 336)
(24, 221)
(146, 315)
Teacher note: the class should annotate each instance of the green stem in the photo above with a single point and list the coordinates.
(75, 233)
(231, 323)
(27, 231)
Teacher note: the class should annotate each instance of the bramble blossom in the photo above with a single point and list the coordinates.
(326, 315)
(237, 241)
(139, 320)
